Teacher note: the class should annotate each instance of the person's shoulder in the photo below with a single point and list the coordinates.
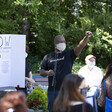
(87, 104)
(89, 107)
(49, 54)
(98, 68)
(82, 71)
(69, 50)
(83, 68)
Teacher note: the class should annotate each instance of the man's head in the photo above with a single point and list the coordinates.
(90, 60)
(59, 43)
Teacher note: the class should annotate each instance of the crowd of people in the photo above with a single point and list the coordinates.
(28, 77)
(57, 66)
(67, 92)
(69, 98)
(93, 76)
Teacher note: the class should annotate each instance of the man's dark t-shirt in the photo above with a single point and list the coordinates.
(64, 61)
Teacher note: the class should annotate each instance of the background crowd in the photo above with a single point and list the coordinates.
(42, 20)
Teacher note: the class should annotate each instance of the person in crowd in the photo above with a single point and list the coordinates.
(92, 74)
(28, 77)
(56, 65)
(69, 98)
(108, 84)
(13, 102)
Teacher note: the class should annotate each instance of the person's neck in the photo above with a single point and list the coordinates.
(90, 68)
(56, 51)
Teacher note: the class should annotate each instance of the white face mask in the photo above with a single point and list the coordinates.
(26, 55)
(61, 46)
(91, 64)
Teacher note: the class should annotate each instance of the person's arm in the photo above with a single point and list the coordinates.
(101, 98)
(82, 43)
(30, 79)
(45, 73)
(30, 75)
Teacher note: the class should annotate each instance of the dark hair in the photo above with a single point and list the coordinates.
(68, 92)
(15, 100)
(27, 48)
(108, 71)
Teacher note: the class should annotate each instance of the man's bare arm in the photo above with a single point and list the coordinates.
(82, 43)
(45, 73)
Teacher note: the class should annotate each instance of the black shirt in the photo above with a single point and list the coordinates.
(79, 108)
(64, 65)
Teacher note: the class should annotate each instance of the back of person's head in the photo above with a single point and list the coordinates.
(14, 100)
(69, 92)
(27, 49)
(108, 70)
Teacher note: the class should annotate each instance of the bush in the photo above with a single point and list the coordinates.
(37, 99)
(76, 66)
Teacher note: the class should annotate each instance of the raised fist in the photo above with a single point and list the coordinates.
(88, 34)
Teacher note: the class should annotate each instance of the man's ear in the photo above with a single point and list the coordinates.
(86, 61)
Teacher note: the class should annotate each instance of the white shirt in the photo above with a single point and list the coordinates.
(93, 77)
(10, 110)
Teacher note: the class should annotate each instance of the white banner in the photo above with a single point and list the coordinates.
(12, 60)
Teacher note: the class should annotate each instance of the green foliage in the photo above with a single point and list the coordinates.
(93, 16)
(37, 99)
(8, 25)
(34, 62)
(100, 48)
(48, 18)
(76, 66)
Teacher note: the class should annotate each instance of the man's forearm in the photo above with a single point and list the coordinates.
(80, 46)
(83, 42)
(44, 73)
(30, 74)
